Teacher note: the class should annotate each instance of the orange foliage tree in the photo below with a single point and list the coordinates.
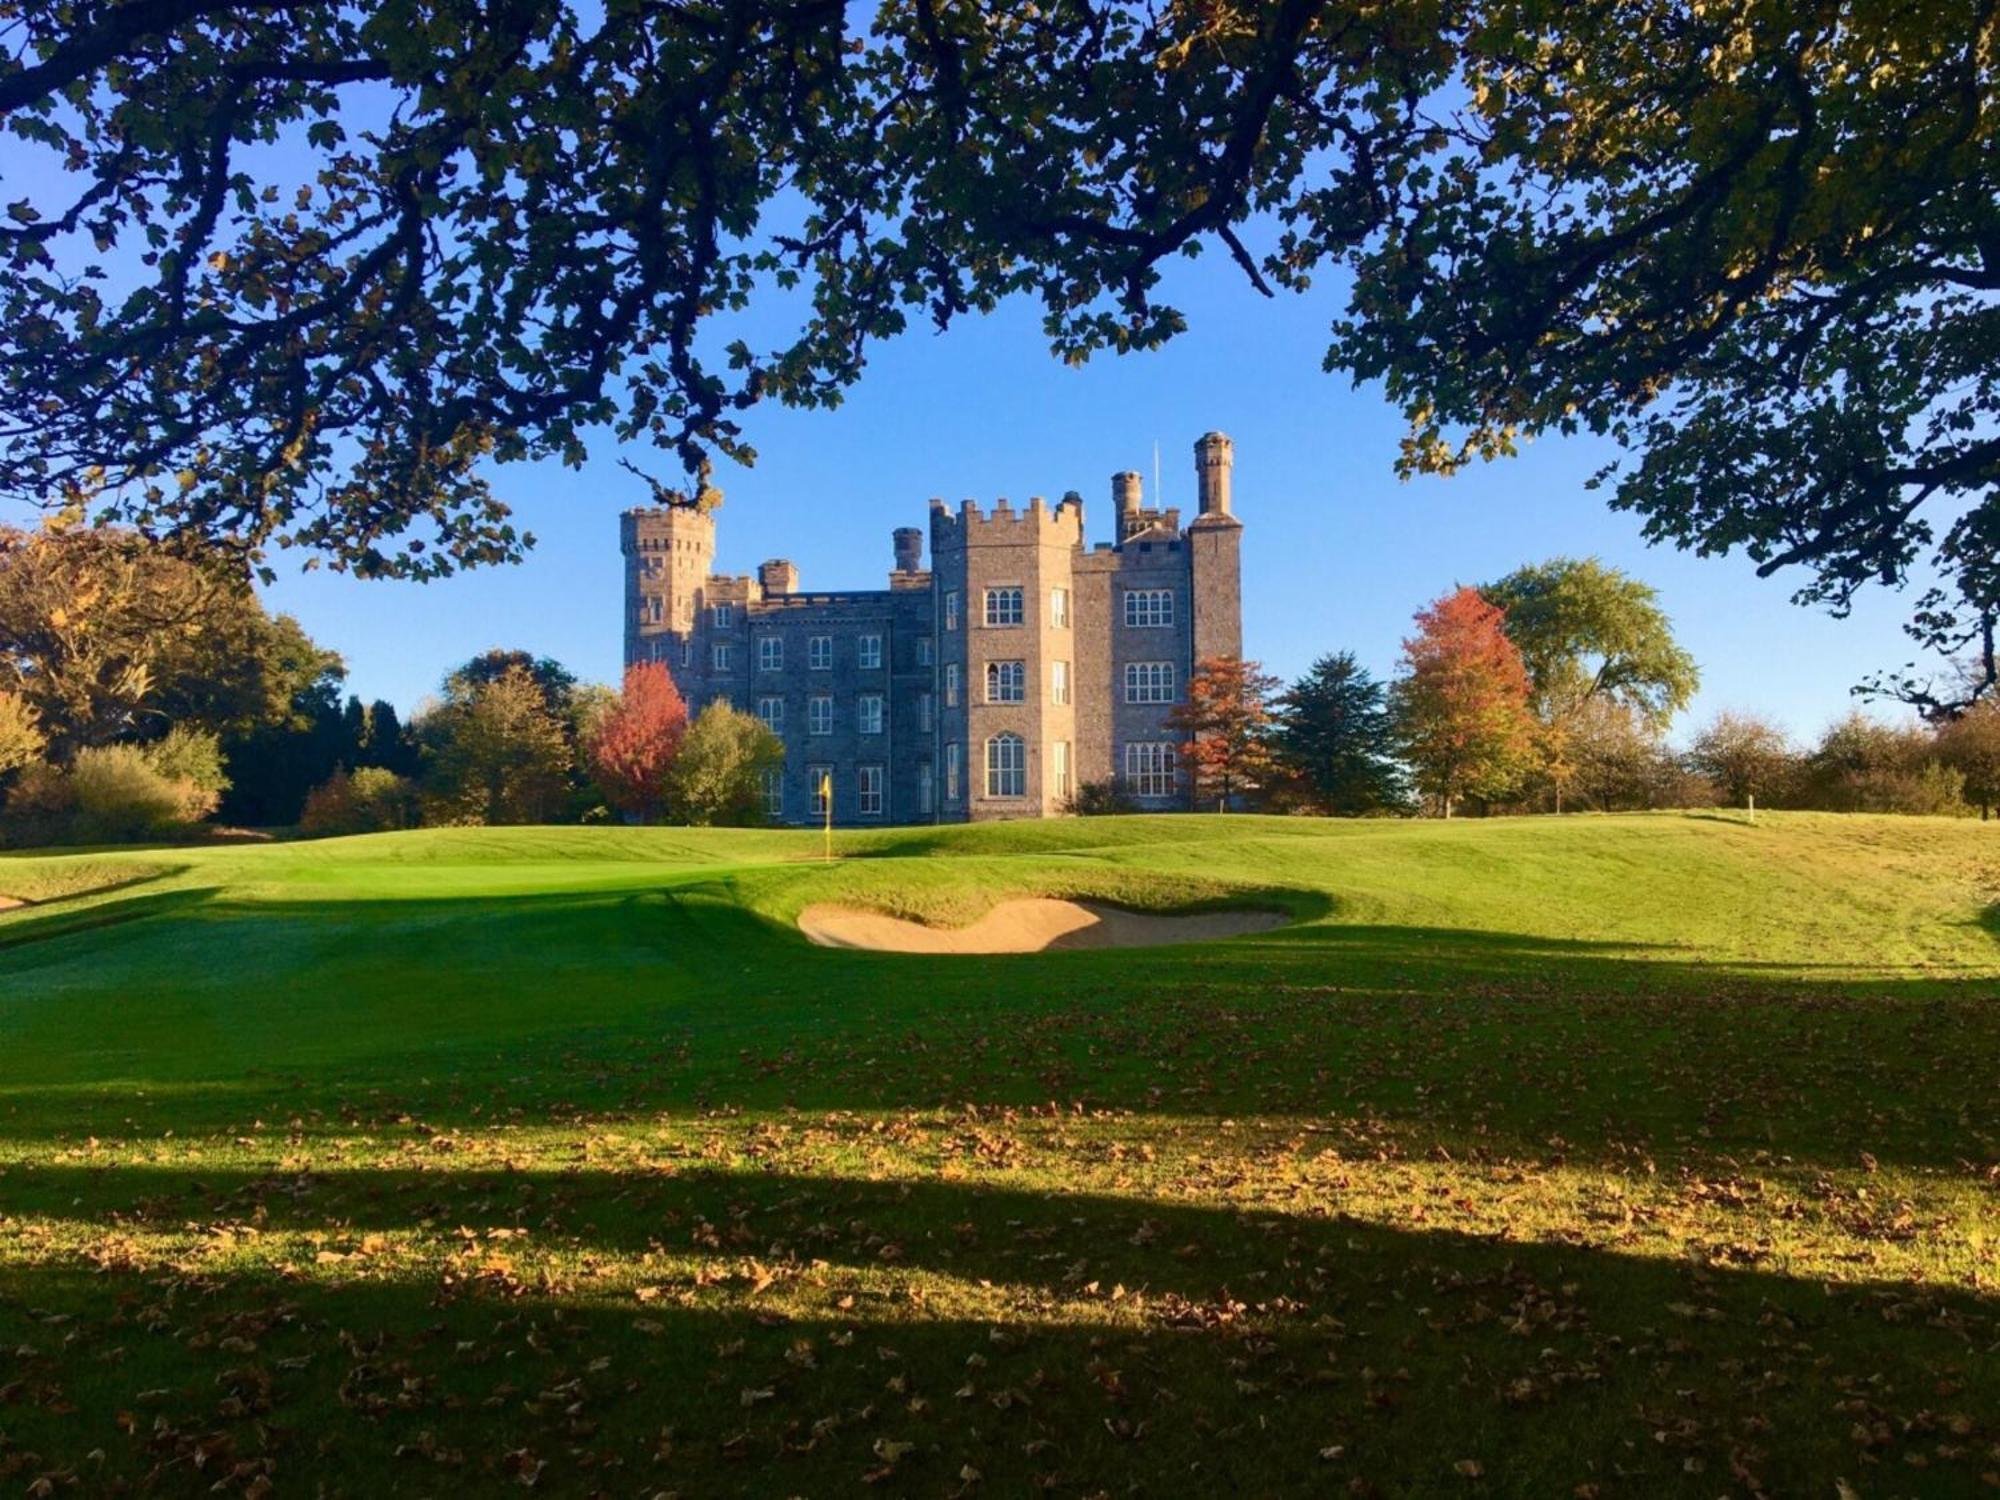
(1462, 702)
(1228, 725)
(637, 740)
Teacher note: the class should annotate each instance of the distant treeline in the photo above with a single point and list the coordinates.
(145, 693)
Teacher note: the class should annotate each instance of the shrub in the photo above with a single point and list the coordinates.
(119, 796)
(1098, 799)
(371, 800)
(718, 776)
(119, 793)
(38, 808)
(192, 760)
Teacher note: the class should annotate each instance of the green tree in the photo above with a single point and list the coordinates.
(1586, 631)
(717, 777)
(1335, 732)
(1744, 756)
(1589, 634)
(494, 753)
(1618, 760)
(109, 636)
(1863, 765)
(1970, 744)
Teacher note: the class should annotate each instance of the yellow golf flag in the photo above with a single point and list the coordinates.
(826, 801)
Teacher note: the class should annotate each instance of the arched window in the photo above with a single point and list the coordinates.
(1006, 766)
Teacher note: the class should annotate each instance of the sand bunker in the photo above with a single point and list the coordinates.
(1029, 926)
(8, 903)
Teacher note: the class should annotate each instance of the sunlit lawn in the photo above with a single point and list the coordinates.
(1632, 1156)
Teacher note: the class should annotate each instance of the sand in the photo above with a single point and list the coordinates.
(8, 903)
(1029, 926)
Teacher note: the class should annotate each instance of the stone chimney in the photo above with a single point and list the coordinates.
(778, 577)
(1125, 499)
(1214, 457)
(909, 549)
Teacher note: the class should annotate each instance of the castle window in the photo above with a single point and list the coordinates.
(1147, 607)
(771, 653)
(1003, 606)
(819, 713)
(774, 791)
(951, 609)
(951, 685)
(1006, 681)
(925, 712)
(868, 783)
(868, 652)
(721, 616)
(923, 651)
(772, 711)
(1059, 768)
(1058, 682)
(1059, 608)
(951, 759)
(819, 653)
(1006, 766)
(869, 716)
(1149, 769)
(820, 779)
(926, 790)
(718, 656)
(687, 653)
(1149, 682)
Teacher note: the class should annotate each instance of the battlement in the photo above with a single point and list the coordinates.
(665, 528)
(1005, 525)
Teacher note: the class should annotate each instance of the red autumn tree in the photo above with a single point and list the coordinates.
(636, 741)
(1462, 702)
(1228, 725)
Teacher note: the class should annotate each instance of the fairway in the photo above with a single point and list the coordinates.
(1596, 1156)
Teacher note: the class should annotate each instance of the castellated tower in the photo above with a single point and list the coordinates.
(1215, 543)
(1003, 582)
(669, 554)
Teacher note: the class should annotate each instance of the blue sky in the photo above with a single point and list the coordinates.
(1337, 551)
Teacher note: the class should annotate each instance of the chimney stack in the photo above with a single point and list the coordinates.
(909, 549)
(778, 578)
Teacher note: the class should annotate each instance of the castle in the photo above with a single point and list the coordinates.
(1019, 667)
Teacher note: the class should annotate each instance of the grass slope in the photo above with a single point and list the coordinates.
(1647, 1155)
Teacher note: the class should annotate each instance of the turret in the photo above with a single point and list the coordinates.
(1214, 457)
(1125, 501)
(909, 549)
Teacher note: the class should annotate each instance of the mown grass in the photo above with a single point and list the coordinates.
(1650, 1155)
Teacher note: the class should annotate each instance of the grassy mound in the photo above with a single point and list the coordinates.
(1655, 1154)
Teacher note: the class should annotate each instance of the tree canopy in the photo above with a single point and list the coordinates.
(1333, 727)
(294, 275)
(1585, 630)
(108, 636)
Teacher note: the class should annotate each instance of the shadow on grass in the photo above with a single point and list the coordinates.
(61, 917)
(616, 1004)
(1070, 1342)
